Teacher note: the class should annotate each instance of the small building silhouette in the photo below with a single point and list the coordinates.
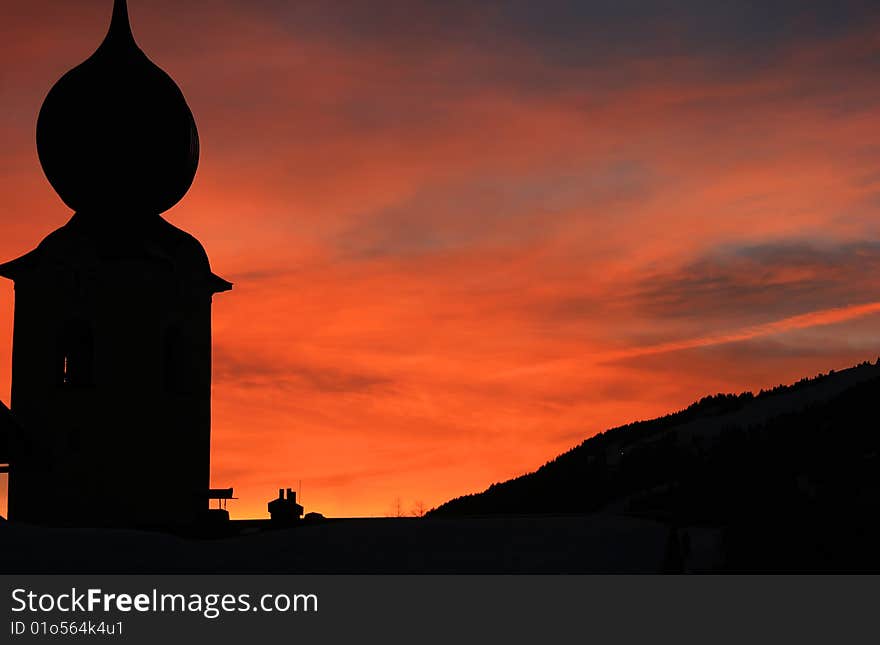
(284, 509)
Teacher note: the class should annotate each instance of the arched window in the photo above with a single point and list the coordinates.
(75, 359)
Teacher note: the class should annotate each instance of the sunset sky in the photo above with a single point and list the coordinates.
(464, 236)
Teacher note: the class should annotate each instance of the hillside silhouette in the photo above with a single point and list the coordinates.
(790, 475)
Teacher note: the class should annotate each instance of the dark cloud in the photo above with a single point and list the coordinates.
(729, 290)
(764, 281)
(579, 32)
(675, 26)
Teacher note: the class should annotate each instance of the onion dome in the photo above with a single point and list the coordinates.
(115, 135)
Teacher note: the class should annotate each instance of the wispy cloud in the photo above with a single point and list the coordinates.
(792, 323)
(257, 370)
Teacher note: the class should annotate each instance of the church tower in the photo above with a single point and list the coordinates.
(111, 373)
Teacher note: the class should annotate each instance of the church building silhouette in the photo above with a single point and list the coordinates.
(111, 374)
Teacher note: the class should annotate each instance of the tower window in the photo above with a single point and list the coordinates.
(75, 357)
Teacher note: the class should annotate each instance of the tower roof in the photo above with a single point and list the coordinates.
(115, 135)
(89, 241)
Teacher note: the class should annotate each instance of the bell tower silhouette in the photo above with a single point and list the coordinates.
(111, 373)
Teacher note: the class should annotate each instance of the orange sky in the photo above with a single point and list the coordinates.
(466, 236)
